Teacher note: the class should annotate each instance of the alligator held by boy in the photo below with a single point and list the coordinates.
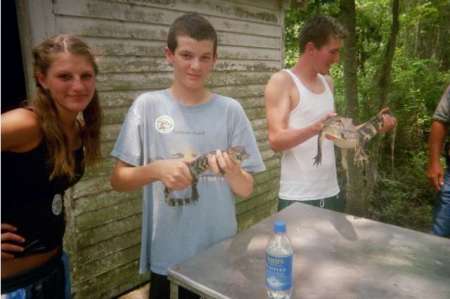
(198, 166)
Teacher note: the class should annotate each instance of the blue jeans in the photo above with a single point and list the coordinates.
(441, 213)
(67, 276)
(46, 281)
(28, 292)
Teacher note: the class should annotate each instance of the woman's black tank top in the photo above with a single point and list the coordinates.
(33, 203)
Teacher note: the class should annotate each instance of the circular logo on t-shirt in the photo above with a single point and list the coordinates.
(57, 204)
(164, 124)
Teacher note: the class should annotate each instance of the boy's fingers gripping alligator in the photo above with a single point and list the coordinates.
(196, 168)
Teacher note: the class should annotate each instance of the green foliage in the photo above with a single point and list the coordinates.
(404, 197)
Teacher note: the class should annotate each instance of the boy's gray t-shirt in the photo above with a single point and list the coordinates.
(159, 127)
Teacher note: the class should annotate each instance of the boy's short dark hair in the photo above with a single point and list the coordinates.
(192, 25)
(318, 30)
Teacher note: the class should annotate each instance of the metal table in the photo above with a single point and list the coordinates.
(336, 256)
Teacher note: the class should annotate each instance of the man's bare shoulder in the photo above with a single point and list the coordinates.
(280, 78)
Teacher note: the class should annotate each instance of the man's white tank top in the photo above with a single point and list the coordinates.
(300, 179)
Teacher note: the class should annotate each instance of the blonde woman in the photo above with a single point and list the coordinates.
(45, 148)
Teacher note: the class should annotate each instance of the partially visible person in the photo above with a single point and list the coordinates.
(439, 179)
(298, 102)
(162, 131)
(45, 146)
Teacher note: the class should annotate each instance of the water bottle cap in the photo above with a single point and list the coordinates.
(279, 226)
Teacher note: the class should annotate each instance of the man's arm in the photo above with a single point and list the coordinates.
(174, 174)
(389, 121)
(278, 107)
(435, 172)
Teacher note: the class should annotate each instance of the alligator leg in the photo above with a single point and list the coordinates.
(361, 158)
(194, 195)
(344, 163)
(318, 157)
(167, 198)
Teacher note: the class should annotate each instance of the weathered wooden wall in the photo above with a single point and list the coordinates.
(103, 232)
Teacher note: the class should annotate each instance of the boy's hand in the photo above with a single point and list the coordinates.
(222, 163)
(10, 241)
(174, 174)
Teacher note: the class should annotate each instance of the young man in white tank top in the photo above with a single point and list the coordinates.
(298, 101)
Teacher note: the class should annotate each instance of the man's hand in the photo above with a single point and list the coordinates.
(435, 174)
(318, 126)
(10, 241)
(174, 174)
(389, 121)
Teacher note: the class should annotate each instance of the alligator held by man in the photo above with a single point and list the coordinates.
(198, 166)
(346, 135)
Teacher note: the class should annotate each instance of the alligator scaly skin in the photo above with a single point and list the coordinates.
(196, 168)
(364, 133)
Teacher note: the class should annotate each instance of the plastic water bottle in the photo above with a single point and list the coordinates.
(279, 264)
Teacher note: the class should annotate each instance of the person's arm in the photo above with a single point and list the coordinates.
(278, 108)
(240, 181)
(174, 174)
(20, 130)
(435, 172)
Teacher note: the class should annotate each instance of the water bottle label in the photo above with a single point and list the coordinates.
(278, 272)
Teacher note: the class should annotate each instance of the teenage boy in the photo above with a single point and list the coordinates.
(298, 101)
(185, 120)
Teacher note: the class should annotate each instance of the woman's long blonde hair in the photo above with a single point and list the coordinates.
(60, 155)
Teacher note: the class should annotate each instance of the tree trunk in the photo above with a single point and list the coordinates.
(348, 19)
(382, 82)
(352, 178)
(384, 73)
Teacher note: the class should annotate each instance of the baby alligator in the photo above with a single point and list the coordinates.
(196, 168)
(345, 135)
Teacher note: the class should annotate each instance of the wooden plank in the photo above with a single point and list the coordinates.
(95, 286)
(127, 47)
(136, 31)
(125, 98)
(225, 9)
(109, 214)
(92, 186)
(119, 289)
(104, 200)
(108, 231)
(257, 201)
(108, 263)
(152, 81)
(251, 217)
(128, 13)
(98, 251)
(132, 64)
(114, 115)
(110, 132)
